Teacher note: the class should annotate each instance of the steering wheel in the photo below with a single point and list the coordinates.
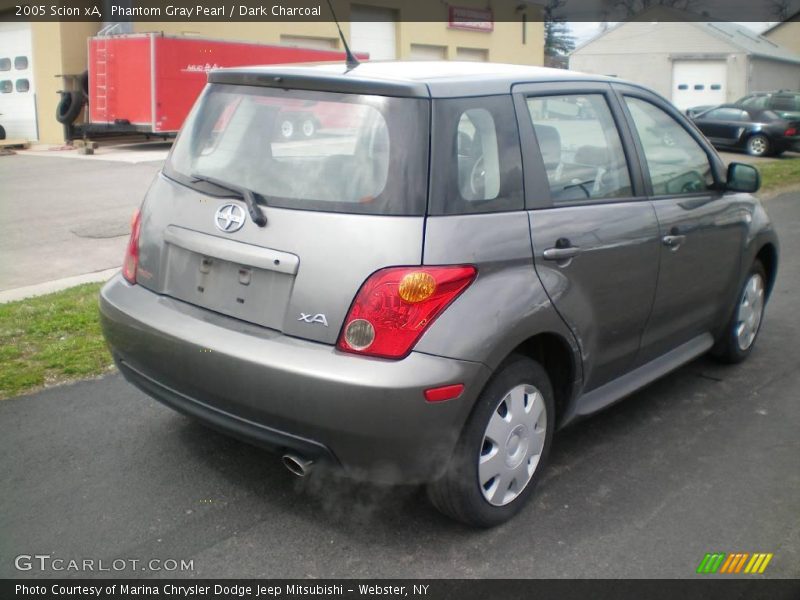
(477, 179)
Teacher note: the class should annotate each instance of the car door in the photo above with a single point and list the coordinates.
(702, 230)
(723, 126)
(594, 233)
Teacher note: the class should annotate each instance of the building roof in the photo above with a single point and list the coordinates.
(736, 35)
(748, 41)
(399, 78)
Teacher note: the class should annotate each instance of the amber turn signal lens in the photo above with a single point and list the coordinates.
(417, 286)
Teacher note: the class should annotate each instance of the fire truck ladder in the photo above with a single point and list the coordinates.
(101, 82)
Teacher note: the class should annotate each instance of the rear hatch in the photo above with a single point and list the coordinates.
(340, 177)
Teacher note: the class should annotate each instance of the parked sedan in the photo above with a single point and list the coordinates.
(758, 132)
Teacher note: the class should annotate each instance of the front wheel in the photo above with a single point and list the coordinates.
(742, 330)
(758, 145)
(502, 449)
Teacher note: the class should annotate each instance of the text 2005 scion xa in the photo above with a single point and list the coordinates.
(418, 272)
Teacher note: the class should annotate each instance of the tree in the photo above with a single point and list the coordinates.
(634, 7)
(558, 41)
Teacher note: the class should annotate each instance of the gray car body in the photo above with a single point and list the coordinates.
(623, 312)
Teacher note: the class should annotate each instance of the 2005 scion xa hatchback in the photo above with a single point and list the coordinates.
(451, 263)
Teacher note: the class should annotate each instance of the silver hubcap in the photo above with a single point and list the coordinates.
(308, 128)
(758, 145)
(287, 129)
(751, 309)
(512, 445)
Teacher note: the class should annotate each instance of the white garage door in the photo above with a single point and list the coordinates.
(17, 98)
(373, 30)
(698, 82)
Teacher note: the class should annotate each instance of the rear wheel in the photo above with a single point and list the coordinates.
(759, 145)
(745, 323)
(502, 450)
(308, 127)
(286, 129)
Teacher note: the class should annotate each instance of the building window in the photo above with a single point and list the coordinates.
(427, 52)
(21, 63)
(699, 86)
(6, 87)
(683, 86)
(5, 64)
(472, 54)
(23, 85)
(315, 43)
(716, 86)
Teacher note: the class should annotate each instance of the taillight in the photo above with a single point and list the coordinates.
(395, 306)
(790, 132)
(131, 262)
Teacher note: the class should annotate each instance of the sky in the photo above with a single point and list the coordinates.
(584, 31)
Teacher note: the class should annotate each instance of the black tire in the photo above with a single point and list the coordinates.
(728, 348)
(84, 81)
(458, 493)
(70, 107)
(307, 127)
(2, 133)
(286, 128)
(759, 145)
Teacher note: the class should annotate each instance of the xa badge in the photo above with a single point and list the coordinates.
(229, 218)
(318, 318)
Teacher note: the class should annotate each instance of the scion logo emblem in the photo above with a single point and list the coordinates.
(318, 318)
(229, 218)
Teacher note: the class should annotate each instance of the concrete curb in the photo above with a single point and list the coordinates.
(56, 285)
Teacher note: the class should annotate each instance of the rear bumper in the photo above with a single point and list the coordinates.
(283, 393)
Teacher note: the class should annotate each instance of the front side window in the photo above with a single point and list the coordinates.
(754, 102)
(581, 147)
(677, 164)
(727, 114)
(308, 150)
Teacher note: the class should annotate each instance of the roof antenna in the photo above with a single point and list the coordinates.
(350, 59)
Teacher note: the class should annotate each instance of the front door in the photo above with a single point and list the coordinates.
(701, 229)
(594, 234)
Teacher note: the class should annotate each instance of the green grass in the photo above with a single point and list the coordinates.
(51, 339)
(779, 173)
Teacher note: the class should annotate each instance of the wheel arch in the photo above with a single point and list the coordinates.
(559, 360)
(768, 256)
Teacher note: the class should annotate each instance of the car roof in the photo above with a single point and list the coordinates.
(402, 78)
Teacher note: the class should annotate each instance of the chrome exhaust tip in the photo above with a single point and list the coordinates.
(297, 465)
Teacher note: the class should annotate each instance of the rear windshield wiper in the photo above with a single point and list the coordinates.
(249, 196)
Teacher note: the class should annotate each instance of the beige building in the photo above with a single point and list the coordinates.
(786, 34)
(514, 35)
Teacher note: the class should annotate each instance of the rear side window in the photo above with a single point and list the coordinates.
(785, 103)
(580, 146)
(677, 164)
(308, 150)
(476, 157)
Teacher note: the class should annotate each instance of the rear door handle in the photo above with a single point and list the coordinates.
(561, 253)
(673, 241)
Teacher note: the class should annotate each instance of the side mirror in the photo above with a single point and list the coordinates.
(743, 178)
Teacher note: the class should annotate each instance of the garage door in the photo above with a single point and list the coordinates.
(373, 30)
(698, 82)
(17, 98)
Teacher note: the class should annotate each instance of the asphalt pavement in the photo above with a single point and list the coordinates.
(704, 460)
(63, 214)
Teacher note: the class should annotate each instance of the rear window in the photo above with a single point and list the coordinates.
(308, 150)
